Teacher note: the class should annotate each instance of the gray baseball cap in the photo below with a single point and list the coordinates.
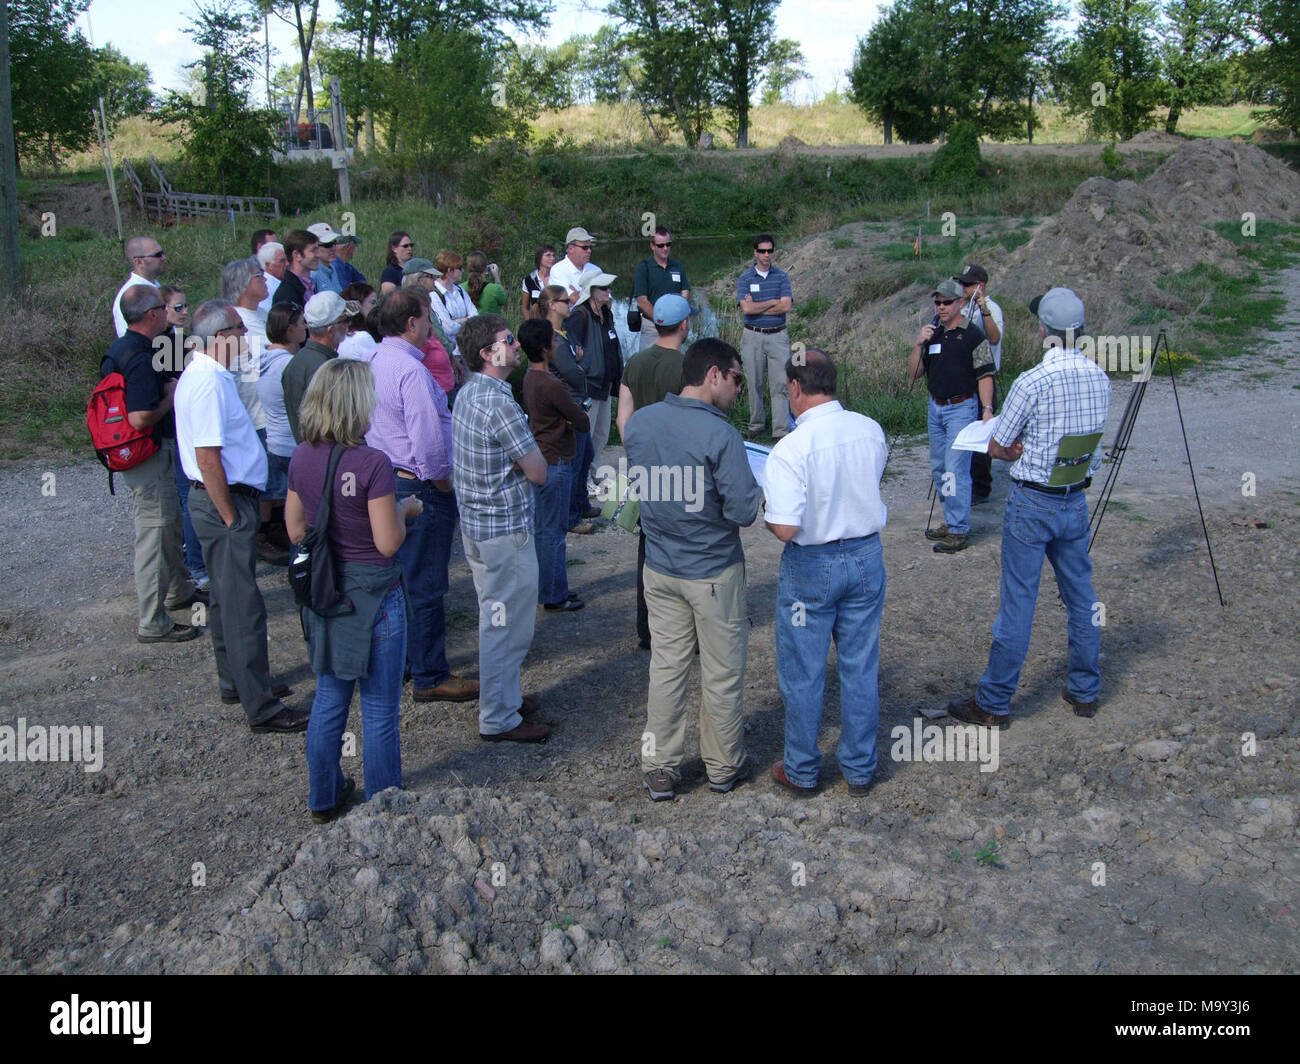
(1058, 308)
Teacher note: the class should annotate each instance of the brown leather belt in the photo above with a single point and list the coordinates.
(955, 399)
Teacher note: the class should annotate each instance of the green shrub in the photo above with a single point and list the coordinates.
(957, 162)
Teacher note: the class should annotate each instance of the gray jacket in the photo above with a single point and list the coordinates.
(697, 491)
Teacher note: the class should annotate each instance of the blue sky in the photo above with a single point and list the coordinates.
(826, 29)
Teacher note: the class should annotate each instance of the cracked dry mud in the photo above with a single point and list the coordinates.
(551, 858)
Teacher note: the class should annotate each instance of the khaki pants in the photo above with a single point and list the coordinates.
(160, 574)
(763, 357)
(681, 611)
(505, 578)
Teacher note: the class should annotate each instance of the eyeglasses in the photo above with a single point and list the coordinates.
(764, 251)
(944, 302)
(665, 244)
(154, 255)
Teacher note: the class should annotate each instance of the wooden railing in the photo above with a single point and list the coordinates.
(167, 205)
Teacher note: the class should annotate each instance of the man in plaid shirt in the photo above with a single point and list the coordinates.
(494, 459)
(1066, 394)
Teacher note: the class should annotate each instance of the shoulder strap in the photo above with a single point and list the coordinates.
(322, 521)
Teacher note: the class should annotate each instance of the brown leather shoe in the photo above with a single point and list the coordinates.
(952, 543)
(452, 689)
(524, 733)
(970, 711)
(939, 533)
(284, 722)
(1081, 708)
(779, 777)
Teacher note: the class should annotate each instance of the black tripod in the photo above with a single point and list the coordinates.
(1120, 448)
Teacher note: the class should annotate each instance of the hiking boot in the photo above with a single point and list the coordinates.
(324, 816)
(660, 785)
(971, 712)
(781, 779)
(951, 544)
(1081, 708)
(583, 528)
(937, 533)
(452, 689)
(180, 633)
(269, 552)
(741, 774)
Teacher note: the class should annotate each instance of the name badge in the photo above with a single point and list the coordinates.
(935, 348)
(754, 288)
(677, 278)
(613, 335)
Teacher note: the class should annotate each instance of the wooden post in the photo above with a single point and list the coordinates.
(10, 269)
(340, 140)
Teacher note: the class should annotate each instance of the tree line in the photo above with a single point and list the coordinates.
(426, 80)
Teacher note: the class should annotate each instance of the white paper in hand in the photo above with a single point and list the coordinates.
(976, 436)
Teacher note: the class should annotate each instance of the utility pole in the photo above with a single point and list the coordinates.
(10, 270)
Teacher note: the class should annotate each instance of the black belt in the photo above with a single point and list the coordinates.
(954, 400)
(1063, 490)
(765, 332)
(235, 489)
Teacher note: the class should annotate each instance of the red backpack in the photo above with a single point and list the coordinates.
(118, 445)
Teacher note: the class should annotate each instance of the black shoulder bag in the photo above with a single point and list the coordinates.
(312, 574)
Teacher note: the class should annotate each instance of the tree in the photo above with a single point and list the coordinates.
(1111, 71)
(53, 96)
(926, 65)
(302, 16)
(1277, 63)
(123, 85)
(785, 69)
(1199, 38)
(742, 34)
(226, 141)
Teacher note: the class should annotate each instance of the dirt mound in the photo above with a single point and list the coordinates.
(1111, 243)
(790, 143)
(1216, 180)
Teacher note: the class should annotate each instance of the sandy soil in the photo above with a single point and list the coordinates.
(191, 849)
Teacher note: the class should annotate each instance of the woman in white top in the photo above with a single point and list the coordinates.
(451, 303)
(359, 341)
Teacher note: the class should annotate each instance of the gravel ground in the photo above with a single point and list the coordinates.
(1149, 839)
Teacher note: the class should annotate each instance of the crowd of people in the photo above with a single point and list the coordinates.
(305, 395)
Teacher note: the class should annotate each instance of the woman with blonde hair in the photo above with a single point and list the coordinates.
(366, 529)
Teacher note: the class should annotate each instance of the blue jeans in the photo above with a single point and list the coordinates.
(954, 494)
(193, 552)
(1037, 524)
(425, 558)
(550, 522)
(832, 590)
(381, 696)
(580, 467)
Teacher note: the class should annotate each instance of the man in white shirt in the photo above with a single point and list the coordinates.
(226, 463)
(822, 483)
(274, 262)
(148, 260)
(569, 271)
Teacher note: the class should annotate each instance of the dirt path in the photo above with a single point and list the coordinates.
(191, 850)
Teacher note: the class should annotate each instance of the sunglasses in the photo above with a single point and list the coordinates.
(764, 251)
(944, 302)
(154, 255)
(665, 244)
(737, 378)
(509, 341)
(585, 247)
(178, 306)
(566, 302)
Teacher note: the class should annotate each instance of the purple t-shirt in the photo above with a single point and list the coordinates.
(363, 474)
